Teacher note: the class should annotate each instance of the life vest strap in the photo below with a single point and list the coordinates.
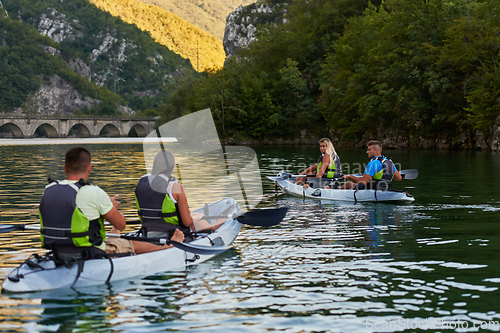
(94, 227)
(156, 214)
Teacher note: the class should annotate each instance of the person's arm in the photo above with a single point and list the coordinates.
(371, 169)
(180, 195)
(307, 171)
(325, 163)
(365, 179)
(397, 175)
(114, 216)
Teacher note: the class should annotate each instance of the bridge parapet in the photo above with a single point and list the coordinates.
(28, 126)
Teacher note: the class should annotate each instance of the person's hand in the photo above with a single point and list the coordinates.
(114, 231)
(306, 185)
(115, 201)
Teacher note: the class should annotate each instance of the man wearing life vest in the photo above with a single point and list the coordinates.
(72, 214)
(162, 202)
(379, 169)
(327, 166)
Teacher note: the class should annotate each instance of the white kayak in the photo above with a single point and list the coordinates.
(288, 186)
(39, 274)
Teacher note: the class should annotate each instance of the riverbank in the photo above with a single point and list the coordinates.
(477, 141)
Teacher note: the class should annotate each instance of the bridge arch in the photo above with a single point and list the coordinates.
(45, 131)
(79, 130)
(11, 130)
(109, 130)
(137, 131)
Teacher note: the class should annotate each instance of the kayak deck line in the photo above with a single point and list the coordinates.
(288, 186)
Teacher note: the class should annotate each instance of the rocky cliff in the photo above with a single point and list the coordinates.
(242, 24)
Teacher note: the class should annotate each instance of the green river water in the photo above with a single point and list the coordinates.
(328, 267)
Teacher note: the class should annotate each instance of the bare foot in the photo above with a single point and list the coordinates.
(178, 236)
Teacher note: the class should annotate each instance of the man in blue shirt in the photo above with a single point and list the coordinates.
(378, 169)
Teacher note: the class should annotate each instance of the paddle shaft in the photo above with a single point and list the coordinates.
(158, 240)
(258, 218)
(406, 174)
(193, 248)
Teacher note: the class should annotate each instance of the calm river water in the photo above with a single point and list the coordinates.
(328, 267)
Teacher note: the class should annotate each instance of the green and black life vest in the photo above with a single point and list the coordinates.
(329, 173)
(156, 209)
(63, 223)
(387, 172)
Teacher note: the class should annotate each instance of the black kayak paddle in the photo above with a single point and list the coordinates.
(266, 217)
(193, 248)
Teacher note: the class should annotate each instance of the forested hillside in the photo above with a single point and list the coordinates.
(209, 15)
(26, 62)
(202, 49)
(113, 55)
(270, 90)
(415, 73)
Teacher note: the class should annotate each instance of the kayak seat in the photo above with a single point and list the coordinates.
(70, 255)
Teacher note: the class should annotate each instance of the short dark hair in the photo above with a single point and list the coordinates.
(375, 143)
(77, 159)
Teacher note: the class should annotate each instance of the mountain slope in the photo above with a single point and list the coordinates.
(86, 44)
(202, 49)
(209, 15)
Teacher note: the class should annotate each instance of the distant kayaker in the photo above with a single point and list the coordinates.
(327, 166)
(72, 214)
(162, 202)
(379, 170)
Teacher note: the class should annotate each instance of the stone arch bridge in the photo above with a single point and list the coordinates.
(25, 126)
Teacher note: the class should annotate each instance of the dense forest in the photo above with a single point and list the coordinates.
(403, 69)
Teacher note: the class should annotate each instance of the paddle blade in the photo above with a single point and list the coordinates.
(200, 249)
(263, 217)
(10, 227)
(409, 174)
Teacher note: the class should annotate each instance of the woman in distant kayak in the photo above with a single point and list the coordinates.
(327, 166)
(162, 202)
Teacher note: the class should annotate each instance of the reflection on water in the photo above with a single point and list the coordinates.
(328, 267)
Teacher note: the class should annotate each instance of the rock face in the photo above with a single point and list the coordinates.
(242, 24)
(56, 26)
(58, 97)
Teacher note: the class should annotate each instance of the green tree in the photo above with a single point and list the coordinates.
(382, 74)
(471, 54)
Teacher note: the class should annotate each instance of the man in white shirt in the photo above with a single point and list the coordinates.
(85, 219)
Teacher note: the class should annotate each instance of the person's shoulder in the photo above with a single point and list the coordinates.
(177, 185)
(92, 188)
